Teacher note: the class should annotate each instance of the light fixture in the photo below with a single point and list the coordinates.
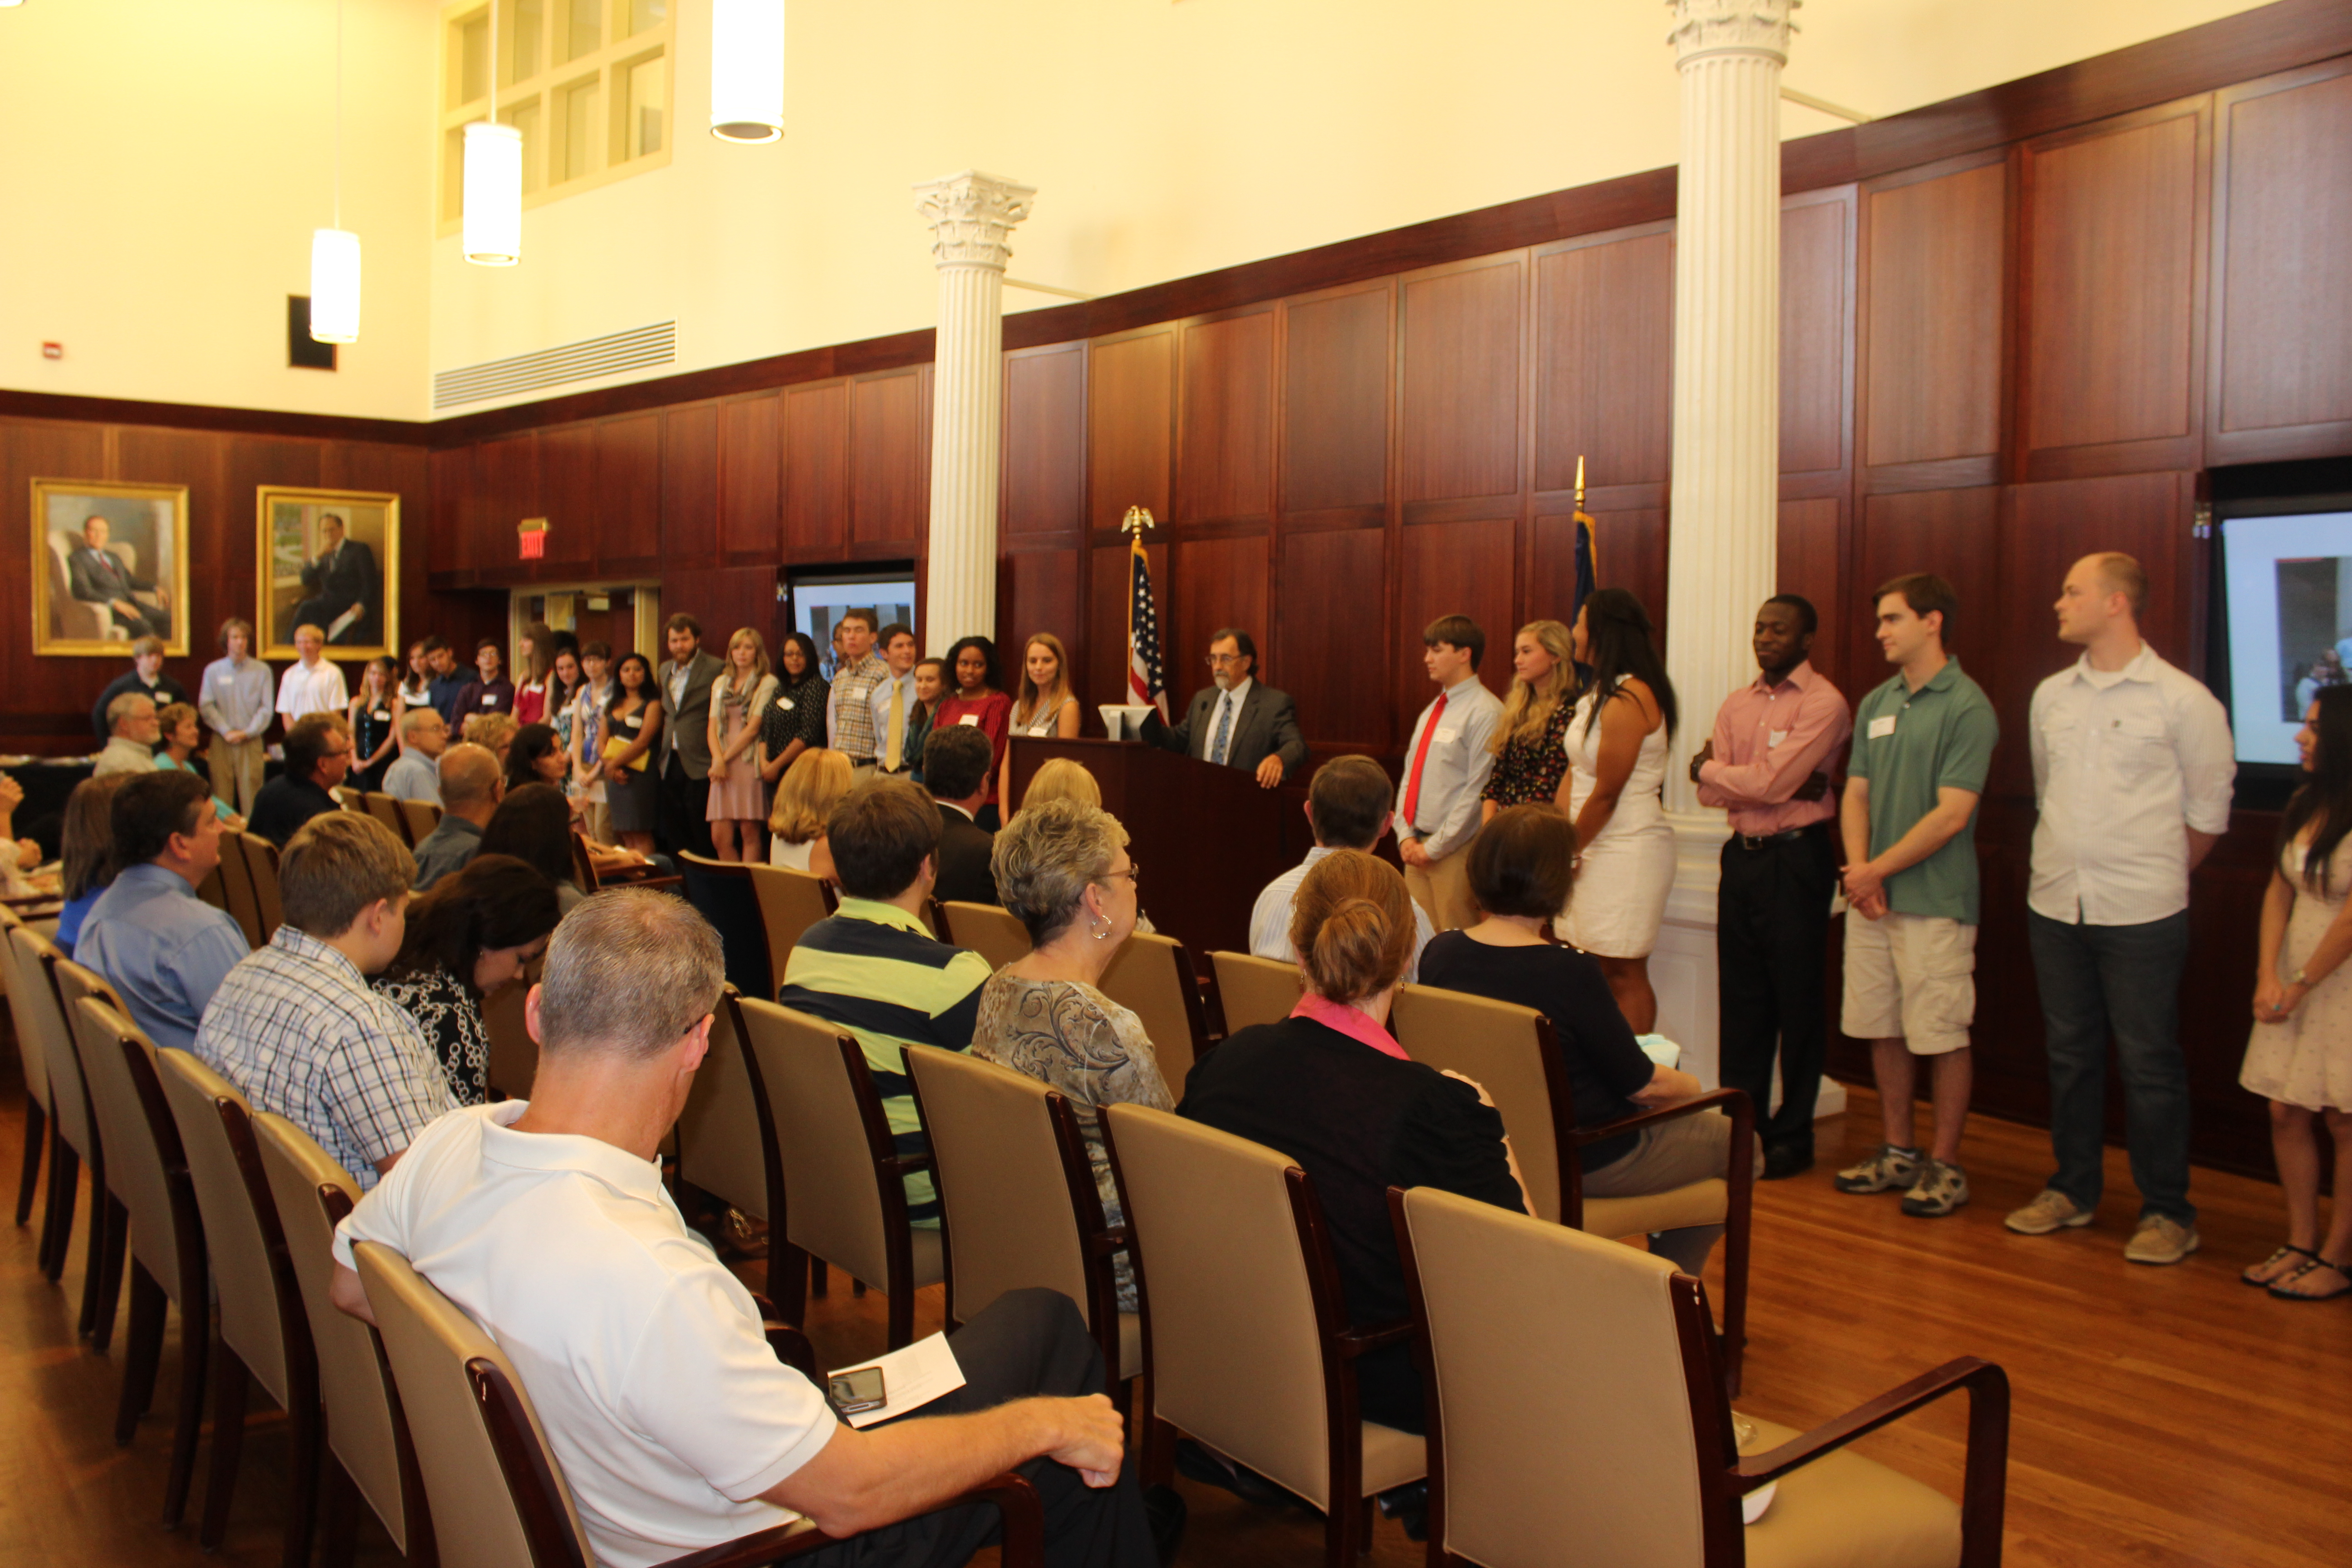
(493, 218)
(747, 70)
(335, 252)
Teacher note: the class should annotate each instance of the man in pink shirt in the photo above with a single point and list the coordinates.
(1775, 744)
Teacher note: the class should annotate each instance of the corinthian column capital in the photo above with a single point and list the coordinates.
(1704, 28)
(972, 216)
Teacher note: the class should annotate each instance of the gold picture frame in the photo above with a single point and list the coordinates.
(77, 609)
(353, 594)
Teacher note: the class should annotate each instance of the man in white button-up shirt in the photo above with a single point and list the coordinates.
(2132, 769)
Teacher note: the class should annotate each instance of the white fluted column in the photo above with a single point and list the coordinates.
(972, 216)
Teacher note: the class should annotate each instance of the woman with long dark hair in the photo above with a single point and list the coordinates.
(976, 696)
(2300, 1054)
(471, 936)
(632, 721)
(1616, 746)
(793, 720)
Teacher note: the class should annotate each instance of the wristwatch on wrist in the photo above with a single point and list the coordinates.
(2297, 979)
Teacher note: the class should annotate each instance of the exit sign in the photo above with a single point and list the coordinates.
(532, 535)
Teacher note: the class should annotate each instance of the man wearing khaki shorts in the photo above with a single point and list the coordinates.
(1922, 746)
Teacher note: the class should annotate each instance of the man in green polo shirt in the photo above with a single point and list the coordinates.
(1922, 745)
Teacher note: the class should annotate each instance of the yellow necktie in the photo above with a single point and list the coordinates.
(897, 745)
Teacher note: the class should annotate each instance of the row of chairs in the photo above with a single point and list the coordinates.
(410, 820)
(245, 884)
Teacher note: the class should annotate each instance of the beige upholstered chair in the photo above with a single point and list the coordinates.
(1616, 1434)
(1151, 976)
(33, 991)
(1017, 1196)
(385, 808)
(1247, 1345)
(78, 618)
(149, 1171)
(244, 906)
(109, 1219)
(261, 865)
(497, 1495)
(265, 1335)
(790, 903)
(1255, 990)
(721, 1142)
(350, 799)
(40, 1129)
(989, 930)
(1514, 1054)
(840, 1194)
(418, 819)
(375, 1463)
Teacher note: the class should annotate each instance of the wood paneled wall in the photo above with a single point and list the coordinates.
(2014, 329)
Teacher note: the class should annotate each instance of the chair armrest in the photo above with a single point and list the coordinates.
(1734, 1102)
(771, 1545)
(1988, 1387)
(1113, 1238)
(904, 1164)
(1360, 1341)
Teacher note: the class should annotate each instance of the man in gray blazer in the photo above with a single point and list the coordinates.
(1237, 723)
(683, 766)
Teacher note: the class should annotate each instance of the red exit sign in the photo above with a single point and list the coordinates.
(532, 535)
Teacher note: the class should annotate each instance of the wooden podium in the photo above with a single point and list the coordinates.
(1205, 837)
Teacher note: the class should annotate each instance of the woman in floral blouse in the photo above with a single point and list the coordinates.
(472, 935)
(1531, 741)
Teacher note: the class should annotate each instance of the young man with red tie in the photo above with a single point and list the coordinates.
(1446, 766)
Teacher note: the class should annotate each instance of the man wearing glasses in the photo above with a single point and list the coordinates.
(317, 755)
(1238, 723)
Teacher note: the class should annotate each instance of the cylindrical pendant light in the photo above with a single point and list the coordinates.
(493, 227)
(747, 70)
(334, 286)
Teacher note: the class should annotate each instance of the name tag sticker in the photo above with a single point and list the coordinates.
(785, 703)
(1774, 737)
(1448, 735)
(490, 701)
(1882, 726)
(968, 719)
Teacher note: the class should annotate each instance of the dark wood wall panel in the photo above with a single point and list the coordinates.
(1336, 376)
(2111, 322)
(1218, 582)
(2282, 384)
(1816, 330)
(1037, 591)
(447, 539)
(1225, 444)
(506, 491)
(1604, 360)
(1629, 553)
(1458, 387)
(569, 498)
(751, 474)
(890, 461)
(1448, 569)
(1044, 442)
(1954, 533)
(724, 598)
(693, 467)
(1934, 259)
(816, 472)
(1330, 589)
(629, 477)
(1812, 564)
(1131, 419)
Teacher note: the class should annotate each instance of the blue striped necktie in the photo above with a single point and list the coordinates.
(1224, 727)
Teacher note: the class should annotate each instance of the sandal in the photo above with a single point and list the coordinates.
(2342, 1273)
(2255, 1274)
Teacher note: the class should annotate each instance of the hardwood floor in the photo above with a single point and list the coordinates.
(2163, 1416)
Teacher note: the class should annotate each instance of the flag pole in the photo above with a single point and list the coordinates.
(1138, 519)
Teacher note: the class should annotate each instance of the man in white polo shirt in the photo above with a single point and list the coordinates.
(675, 1425)
(311, 684)
(2133, 770)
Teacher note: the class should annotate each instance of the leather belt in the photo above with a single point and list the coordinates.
(1751, 841)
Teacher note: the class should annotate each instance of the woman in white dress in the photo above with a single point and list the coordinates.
(2300, 1054)
(1616, 764)
(1046, 708)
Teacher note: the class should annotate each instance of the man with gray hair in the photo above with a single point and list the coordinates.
(678, 1428)
(132, 734)
(415, 774)
(471, 786)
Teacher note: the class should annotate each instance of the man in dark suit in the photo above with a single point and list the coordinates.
(1238, 723)
(343, 580)
(685, 678)
(956, 765)
(97, 576)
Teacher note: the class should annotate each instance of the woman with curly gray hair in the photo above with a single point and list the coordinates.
(1063, 870)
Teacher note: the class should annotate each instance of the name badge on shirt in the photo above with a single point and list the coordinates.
(1774, 737)
(490, 701)
(1448, 735)
(226, 681)
(1882, 726)
(785, 703)
(968, 719)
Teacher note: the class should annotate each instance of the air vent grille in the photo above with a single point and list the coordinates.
(635, 350)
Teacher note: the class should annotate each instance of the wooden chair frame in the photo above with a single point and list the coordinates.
(261, 868)
(789, 1268)
(1724, 1476)
(1348, 1527)
(583, 869)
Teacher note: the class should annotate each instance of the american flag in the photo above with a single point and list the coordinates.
(1588, 562)
(1147, 680)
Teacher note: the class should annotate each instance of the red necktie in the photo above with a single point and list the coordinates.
(1421, 755)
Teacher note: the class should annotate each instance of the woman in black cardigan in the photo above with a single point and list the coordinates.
(1331, 1088)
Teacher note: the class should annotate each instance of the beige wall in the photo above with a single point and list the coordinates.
(1165, 139)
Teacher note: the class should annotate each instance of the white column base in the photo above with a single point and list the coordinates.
(1682, 965)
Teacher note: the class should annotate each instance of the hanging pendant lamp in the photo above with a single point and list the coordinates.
(335, 252)
(747, 70)
(493, 226)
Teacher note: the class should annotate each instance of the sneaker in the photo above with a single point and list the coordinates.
(1884, 1170)
(2050, 1210)
(2160, 1240)
(1939, 1190)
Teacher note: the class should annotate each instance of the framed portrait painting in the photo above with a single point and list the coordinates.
(109, 565)
(328, 559)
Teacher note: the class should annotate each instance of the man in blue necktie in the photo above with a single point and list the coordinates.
(1238, 723)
